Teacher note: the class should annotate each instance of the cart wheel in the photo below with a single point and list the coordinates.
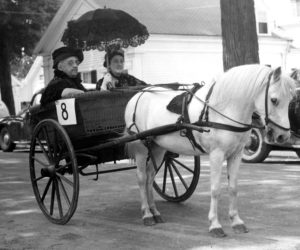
(53, 172)
(176, 181)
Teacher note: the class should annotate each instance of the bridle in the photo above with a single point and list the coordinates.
(267, 119)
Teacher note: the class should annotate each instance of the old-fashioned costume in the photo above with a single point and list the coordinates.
(124, 80)
(57, 85)
(61, 80)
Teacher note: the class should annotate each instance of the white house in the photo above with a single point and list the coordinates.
(185, 43)
(24, 90)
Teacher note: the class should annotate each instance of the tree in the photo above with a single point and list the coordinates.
(21, 26)
(239, 36)
(20, 66)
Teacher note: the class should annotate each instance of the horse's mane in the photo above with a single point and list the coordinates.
(244, 83)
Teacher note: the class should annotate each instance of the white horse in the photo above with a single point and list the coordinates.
(235, 96)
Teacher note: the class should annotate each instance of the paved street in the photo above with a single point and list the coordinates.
(108, 212)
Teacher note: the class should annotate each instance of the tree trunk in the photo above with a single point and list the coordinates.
(5, 77)
(239, 36)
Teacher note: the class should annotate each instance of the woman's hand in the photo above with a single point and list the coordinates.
(69, 92)
(107, 83)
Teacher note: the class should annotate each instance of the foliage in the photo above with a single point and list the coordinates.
(20, 66)
(23, 22)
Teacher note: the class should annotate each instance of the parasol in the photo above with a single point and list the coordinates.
(104, 29)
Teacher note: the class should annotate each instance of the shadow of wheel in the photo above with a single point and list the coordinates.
(177, 177)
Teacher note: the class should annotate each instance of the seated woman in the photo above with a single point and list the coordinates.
(116, 77)
(66, 81)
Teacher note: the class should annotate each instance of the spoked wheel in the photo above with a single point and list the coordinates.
(177, 180)
(54, 172)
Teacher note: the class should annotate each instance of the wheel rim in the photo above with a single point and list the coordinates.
(252, 145)
(54, 173)
(176, 181)
(6, 138)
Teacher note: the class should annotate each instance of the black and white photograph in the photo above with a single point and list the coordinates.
(150, 124)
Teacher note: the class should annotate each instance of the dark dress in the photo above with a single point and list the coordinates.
(56, 86)
(124, 80)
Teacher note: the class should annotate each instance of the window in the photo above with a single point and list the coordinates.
(262, 28)
(89, 76)
(298, 7)
(262, 21)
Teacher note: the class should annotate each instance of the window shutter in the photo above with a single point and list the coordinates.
(94, 76)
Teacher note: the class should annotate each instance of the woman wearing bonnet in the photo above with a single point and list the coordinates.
(116, 76)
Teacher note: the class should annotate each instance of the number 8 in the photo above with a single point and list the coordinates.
(64, 112)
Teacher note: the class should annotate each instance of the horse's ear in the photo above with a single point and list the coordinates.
(277, 74)
(294, 74)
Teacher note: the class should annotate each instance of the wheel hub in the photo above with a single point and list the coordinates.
(6, 138)
(48, 171)
(252, 144)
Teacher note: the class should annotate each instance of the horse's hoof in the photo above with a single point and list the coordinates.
(158, 219)
(149, 221)
(217, 233)
(240, 228)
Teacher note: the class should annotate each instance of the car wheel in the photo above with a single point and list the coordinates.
(6, 143)
(256, 150)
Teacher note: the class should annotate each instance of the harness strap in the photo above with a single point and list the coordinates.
(222, 126)
(227, 117)
(205, 108)
(185, 117)
(266, 98)
(134, 116)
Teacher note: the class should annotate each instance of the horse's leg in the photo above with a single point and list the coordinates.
(157, 155)
(141, 154)
(233, 165)
(216, 159)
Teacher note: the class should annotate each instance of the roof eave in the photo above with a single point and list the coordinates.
(40, 47)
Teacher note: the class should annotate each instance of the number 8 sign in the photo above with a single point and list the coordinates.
(65, 110)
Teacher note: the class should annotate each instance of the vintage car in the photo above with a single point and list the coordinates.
(15, 129)
(257, 148)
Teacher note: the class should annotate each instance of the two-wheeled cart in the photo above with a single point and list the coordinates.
(71, 135)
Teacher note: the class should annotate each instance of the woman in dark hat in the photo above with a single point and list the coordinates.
(66, 81)
(116, 77)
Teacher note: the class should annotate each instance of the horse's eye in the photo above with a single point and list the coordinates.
(274, 101)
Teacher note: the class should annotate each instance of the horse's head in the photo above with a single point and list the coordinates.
(275, 102)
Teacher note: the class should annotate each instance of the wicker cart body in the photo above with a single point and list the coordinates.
(100, 118)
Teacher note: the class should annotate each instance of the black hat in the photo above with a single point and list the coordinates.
(109, 55)
(65, 52)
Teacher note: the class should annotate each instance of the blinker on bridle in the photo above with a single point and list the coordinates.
(267, 119)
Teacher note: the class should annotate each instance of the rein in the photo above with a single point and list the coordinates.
(206, 122)
(217, 125)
